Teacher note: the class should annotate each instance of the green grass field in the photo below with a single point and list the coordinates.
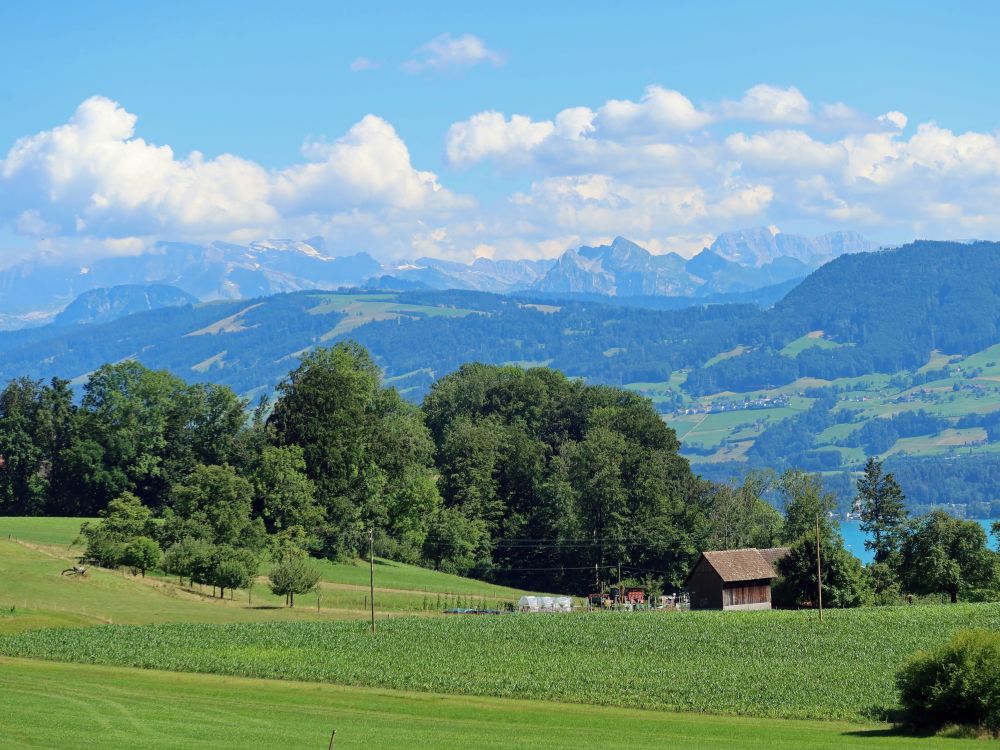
(47, 704)
(41, 530)
(531, 681)
(774, 664)
(360, 309)
(35, 551)
(390, 575)
(815, 338)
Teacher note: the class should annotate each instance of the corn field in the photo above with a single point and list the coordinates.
(774, 664)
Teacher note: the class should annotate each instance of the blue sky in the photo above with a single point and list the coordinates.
(285, 91)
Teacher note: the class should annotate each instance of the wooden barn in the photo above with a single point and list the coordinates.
(734, 579)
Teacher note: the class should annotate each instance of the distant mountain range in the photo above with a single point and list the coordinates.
(33, 293)
(737, 262)
(106, 305)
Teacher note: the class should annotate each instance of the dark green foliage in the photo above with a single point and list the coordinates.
(550, 483)
(758, 370)
(741, 517)
(214, 503)
(453, 540)
(806, 503)
(232, 568)
(283, 495)
(879, 435)
(124, 521)
(808, 509)
(958, 683)
(788, 443)
(365, 449)
(883, 510)
(844, 581)
(36, 426)
(941, 554)
(972, 480)
(898, 305)
(187, 556)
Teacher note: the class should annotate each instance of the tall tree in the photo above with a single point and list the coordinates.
(213, 502)
(23, 481)
(808, 514)
(883, 510)
(283, 495)
(130, 409)
(806, 502)
(741, 517)
(564, 477)
(944, 554)
(362, 444)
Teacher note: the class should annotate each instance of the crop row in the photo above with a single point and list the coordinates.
(782, 664)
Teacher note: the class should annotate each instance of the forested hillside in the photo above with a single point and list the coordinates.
(891, 353)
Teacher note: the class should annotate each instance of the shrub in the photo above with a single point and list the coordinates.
(141, 554)
(959, 683)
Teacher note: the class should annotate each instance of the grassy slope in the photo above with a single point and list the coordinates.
(778, 664)
(31, 562)
(389, 574)
(64, 705)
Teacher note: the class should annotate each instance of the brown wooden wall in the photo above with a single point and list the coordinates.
(746, 592)
(705, 587)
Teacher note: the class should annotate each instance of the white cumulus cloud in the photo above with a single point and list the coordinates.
(658, 168)
(93, 178)
(766, 103)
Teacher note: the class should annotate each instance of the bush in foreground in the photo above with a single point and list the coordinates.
(958, 683)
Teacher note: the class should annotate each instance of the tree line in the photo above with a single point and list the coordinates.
(523, 477)
(928, 555)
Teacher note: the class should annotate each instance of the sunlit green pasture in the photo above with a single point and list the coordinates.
(812, 339)
(34, 552)
(360, 309)
(46, 704)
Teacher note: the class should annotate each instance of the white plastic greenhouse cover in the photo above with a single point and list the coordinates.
(545, 604)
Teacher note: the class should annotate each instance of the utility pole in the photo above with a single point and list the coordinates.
(621, 594)
(819, 573)
(371, 567)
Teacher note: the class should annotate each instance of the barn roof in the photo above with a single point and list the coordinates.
(773, 554)
(736, 565)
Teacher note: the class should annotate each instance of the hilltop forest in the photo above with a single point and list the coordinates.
(496, 456)
(524, 477)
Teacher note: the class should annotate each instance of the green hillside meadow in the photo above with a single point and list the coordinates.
(35, 551)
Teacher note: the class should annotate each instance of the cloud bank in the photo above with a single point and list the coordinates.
(659, 168)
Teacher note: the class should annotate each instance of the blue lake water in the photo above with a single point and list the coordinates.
(854, 539)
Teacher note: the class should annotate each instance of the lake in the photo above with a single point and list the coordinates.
(854, 539)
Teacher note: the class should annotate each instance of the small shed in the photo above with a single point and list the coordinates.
(733, 579)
